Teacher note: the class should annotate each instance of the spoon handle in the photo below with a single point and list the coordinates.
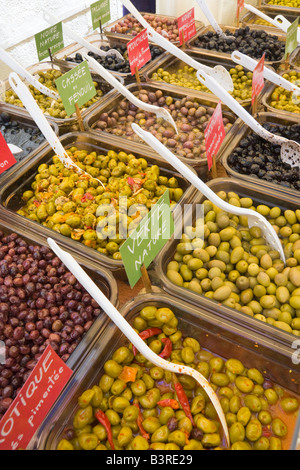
(204, 7)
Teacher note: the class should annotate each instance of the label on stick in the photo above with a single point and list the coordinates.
(187, 26)
(258, 81)
(144, 244)
(50, 38)
(100, 11)
(7, 160)
(214, 134)
(240, 7)
(76, 87)
(34, 401)
(139, 51)
(291, 38)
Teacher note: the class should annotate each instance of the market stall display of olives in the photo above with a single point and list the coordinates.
(135, 405)
(251, 42)
(74, 206)
(217, 297)
(187, 77)
(50, 107)
(190, 116)
(113, 63)
(235, 266)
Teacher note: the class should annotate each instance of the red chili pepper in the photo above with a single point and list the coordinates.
(169, 402)
(103, 419)
(147, 334)
(183, 400)
(266, 432)
(140, 421)
(166, 352)
(87, 196)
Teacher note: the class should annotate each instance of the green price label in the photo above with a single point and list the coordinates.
(51, 38)
(144, 244)
(291, 38)
(76, 87)
(100, 12)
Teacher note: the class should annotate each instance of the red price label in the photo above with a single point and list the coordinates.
(7, 160)
(187, 26)
(139, 51)
(258, 78)
(34, 401)
(214, 135)
(240, 7)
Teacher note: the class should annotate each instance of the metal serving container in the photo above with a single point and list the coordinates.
(69, 124)
(241, 131)
(217, 55)
(60, 57)
(215, 334)
(200, 165)
(249, 19)
(12, 189)
(24, 122)
(171, 64)
(114, 37)
(259, 195)
(102, 278)
(280, 9)
(267, 98)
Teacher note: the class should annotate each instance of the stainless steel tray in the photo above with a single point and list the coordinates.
(215, 54)
(267, 97)
(114, 37)
(280, 9)
(259, 195)
(216, 335)
(172, 64)
(69, 124)
(200, 165)
(249, 19)
(60, 57)
(13, 187)
(240, 132)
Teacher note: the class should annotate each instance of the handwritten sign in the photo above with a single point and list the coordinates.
(34, 401)
(76, 87)
(50, 38)
(258, 81)
(214, 135)
(187, 26)
(138, 51)
(7, 160)
(291, 38)
(100, 11)
(144, 244)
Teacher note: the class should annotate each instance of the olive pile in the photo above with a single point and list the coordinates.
(285, 100)
(221, 258)
(167, 27)
(258, 158)
(137, 406)
(253, 43)
(25, 137)
(113, 63)
(187, 77)
(70, 204)
(41, 303)
(190, 116)
(286, 3)
(50, 107)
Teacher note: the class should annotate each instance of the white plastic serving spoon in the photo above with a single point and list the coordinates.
(279, 21)
(37, 115)
(130, 333)
(273, 77)
(254, 218)
(290, 150)
(218, 72)
(14, 149)
(159, 111)
(51, 19)
(16, 67)
(207, 12)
